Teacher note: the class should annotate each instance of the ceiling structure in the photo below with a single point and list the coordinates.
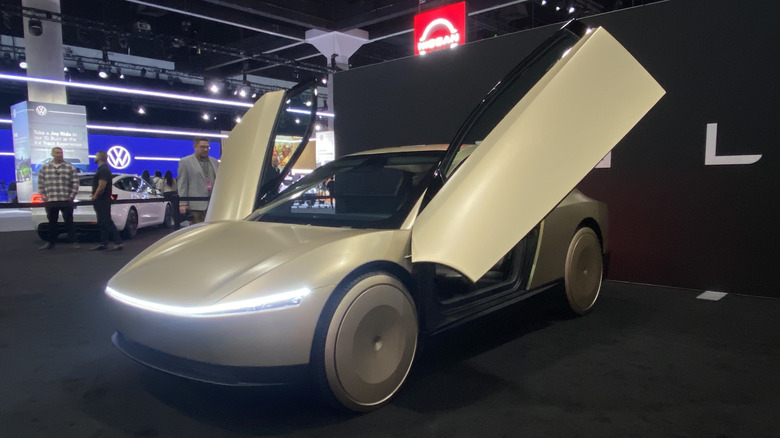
(263, 43)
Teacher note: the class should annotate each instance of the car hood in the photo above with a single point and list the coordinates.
(203, 264)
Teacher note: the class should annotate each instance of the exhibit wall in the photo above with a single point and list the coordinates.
(690, 188)
(139, 153)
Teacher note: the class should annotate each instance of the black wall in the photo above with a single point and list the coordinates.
(674, 220)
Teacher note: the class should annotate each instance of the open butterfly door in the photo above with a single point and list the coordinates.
(536, 140)
(248, 171)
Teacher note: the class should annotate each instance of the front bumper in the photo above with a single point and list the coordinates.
(270, 339)
(210, 373)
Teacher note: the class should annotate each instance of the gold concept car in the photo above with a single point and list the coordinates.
(334, 273)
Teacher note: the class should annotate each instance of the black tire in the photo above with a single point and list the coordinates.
(131, 225)
(365, 342)
(168, 219)
(43, 231)
(584, 271)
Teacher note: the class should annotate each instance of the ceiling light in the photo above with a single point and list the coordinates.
(103, 72)
(214, 88)
(571, 9)
(23, 64)
(141, 110)
(242, 92)
(237, 119)
(205, 116)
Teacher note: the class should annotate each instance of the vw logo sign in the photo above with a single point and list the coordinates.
(41, 110)
(118, 157)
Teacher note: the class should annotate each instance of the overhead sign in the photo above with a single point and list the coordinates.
(441, 28)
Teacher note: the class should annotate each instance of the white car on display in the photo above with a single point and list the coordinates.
(128, 217)
(336, 277)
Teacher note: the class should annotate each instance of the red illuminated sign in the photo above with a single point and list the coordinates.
(441, 28)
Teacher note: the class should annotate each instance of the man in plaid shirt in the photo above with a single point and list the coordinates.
(58, 184)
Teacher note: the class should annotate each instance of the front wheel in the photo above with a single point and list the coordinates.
(584, 270)
(365, 342)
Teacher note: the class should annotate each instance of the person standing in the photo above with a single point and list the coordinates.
(101, 198)
(197, 173)
(170, 192)
(157, 180)
(58, 184)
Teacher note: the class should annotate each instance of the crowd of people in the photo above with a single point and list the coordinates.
(58, 185)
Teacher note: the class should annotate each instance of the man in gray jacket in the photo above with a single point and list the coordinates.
(197, 173)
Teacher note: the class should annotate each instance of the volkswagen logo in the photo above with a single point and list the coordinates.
(41, 110)
(118, 157)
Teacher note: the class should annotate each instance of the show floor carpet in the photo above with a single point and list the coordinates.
(648, 362)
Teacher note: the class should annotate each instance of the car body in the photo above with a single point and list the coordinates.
(337, 275)
(128, 216)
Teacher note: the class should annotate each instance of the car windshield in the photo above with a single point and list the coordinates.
(360, 191)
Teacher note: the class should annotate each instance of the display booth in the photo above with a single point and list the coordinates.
(687, 188)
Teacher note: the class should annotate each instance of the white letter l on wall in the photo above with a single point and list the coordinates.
(711, 157)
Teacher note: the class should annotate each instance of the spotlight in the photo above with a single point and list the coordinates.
(119, 73)
(141, 110)
(214, 88)
(65, 69)
(143, 72)
(237, 119)
(23, 64)
(103, 72)
(242, 92)
(571, 9)
(205, 116)
(80, 65)
(318, 127)
(324, 81)
(544, 2)
(35, 27)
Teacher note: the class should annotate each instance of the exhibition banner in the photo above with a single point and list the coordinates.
(37, 128)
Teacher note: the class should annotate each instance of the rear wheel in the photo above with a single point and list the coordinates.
(365, 342)
(131, 225)
(583, 271)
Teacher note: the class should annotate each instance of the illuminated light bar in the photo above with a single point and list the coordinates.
(147, 130)
(157, 158)
(124, 90)
(156, 131)
(302, 111)
(272, 302)
(7, 154)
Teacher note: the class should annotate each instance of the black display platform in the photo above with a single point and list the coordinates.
(649, 361)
